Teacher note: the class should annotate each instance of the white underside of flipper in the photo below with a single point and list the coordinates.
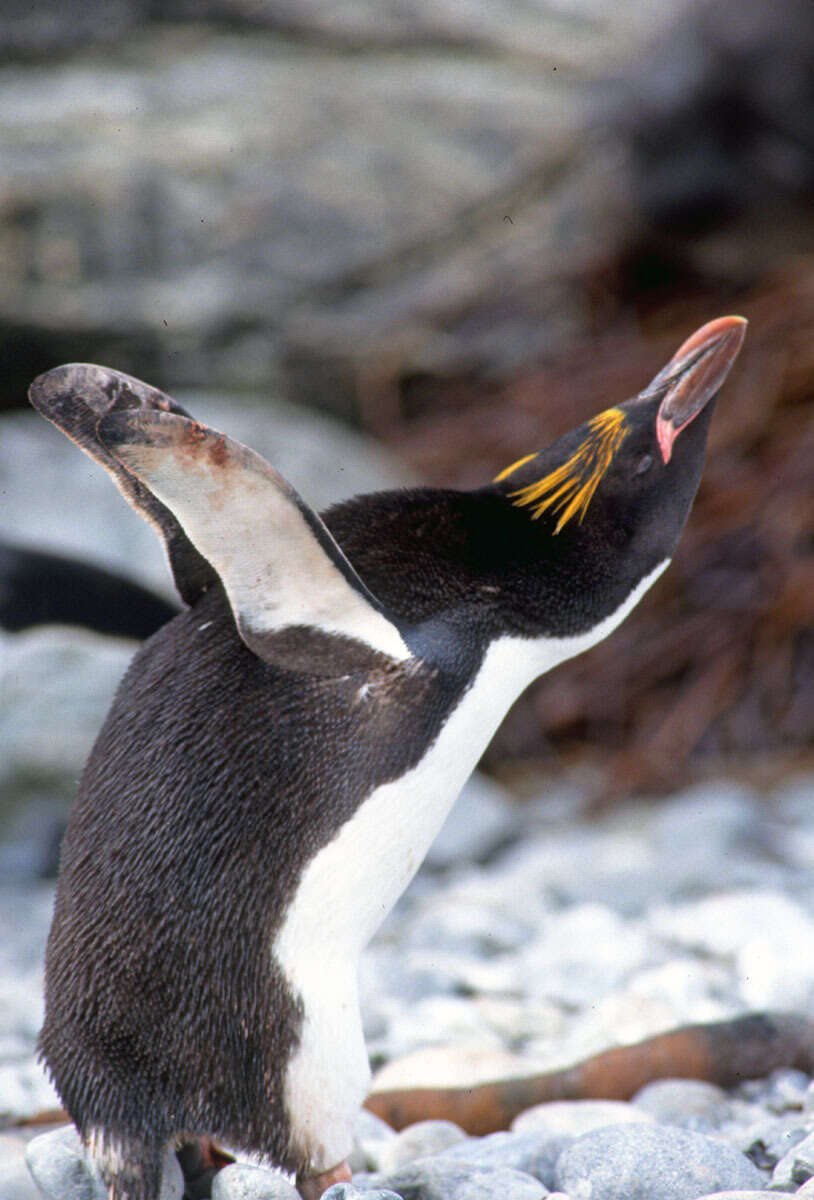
(349, 887)
(278, 563)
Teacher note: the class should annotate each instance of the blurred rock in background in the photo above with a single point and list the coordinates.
(463, 227)
(324, 190)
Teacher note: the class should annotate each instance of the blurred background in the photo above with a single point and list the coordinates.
(446, 231)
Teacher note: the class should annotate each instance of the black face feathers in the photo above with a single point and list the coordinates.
(582, 459)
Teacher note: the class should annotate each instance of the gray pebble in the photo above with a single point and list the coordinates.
(440, 1179)
(707, 822)
(58, 1164)
(689, 1103)
(482, 817)
(797, 1165)
(772, 1140)
(789, 1089)
(242, 1181)
(348, 1191)
(651, 1162)
(587, 952)
(532, 1153)
(15, 1179)
(575, 1117)
(419, 1141)
(783, 1089)
(737, 1194)
(371, 1136)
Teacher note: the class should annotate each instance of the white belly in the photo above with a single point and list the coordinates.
(350, 886)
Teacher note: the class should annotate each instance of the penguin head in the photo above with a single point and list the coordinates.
(609, 500)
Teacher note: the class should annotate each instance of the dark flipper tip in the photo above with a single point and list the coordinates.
(77, 398)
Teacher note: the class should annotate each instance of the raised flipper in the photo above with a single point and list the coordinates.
(75, 397)
(280, 566)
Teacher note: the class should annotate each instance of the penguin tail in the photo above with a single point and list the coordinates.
(131, 1168)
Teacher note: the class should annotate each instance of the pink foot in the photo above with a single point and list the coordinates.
(311, 1187)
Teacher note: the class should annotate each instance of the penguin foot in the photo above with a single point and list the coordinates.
(311, 1187)
(200, 1162)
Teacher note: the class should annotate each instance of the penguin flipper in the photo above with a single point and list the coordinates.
(278, 563)
(75, 397)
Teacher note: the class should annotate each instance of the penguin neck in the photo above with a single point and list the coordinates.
(459, 570)
(510, 663)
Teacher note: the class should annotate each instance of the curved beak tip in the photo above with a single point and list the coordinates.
(694, 375)
(708, 335)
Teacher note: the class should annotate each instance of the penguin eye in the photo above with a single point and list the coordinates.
(644, 464)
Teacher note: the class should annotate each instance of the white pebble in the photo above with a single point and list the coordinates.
(575, 1117)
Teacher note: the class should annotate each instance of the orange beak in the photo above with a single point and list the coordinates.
(693, 376)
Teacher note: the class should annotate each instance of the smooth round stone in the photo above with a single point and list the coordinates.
(481, 819)
(588, 951)
(15, 1178)
(371, 1136)
(690, 1103)
(419, 1141)
(58, 1163)
(348, 1191)
(652, 1162)
(776, 970)
(458, 922)
(737, 1194)
(440, 1179)
(575, 1117)
(532, 1153)
(465, 1065)
(24, 1086)
(797, 1165)
(772, 1140)
(783, 1090)
(706, 822)
(727, 923)
(241, 1181)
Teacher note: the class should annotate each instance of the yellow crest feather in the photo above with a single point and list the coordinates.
(508, 470)
(570, 488)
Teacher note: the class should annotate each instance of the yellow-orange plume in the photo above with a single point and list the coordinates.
(569, 489)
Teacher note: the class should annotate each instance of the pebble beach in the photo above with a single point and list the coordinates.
(534, 935)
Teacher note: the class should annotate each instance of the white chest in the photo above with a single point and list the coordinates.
(349, 887)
